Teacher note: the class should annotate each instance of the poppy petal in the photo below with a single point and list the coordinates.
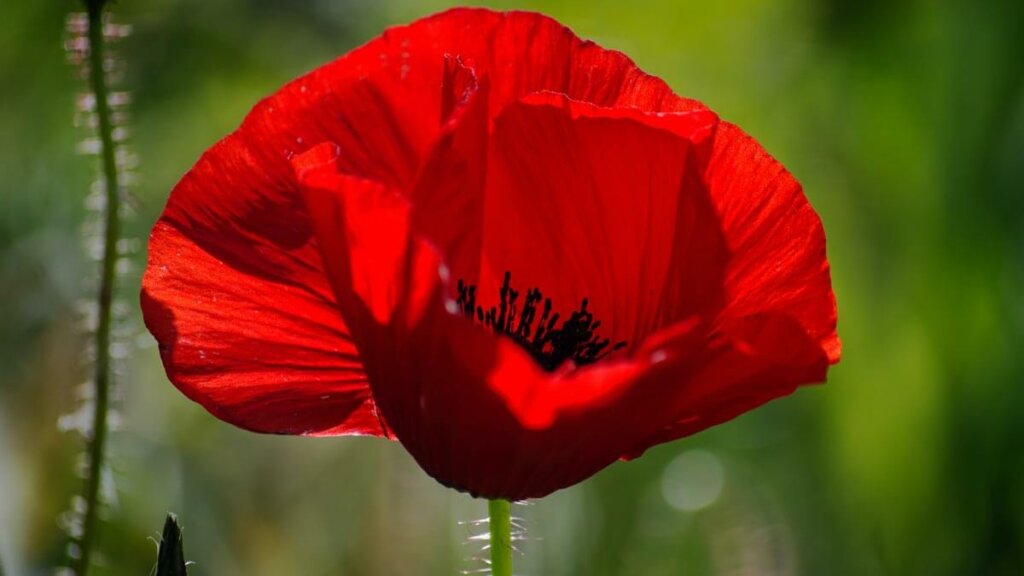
(526, 52)
(380, 104)
(366, 237)
(246, 322)
(448, 195)
(764, 357)
(522, 53)
(778, 244)
(368, 227)
(777, 328)
(604, 204)
(484, 418)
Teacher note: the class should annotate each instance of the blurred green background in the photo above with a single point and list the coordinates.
(903, 120)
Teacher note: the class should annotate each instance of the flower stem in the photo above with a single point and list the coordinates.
(501, 537)
(101, 378)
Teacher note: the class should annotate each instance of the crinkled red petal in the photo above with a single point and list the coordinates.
(777, 328)
(776, 238)
(245, 320)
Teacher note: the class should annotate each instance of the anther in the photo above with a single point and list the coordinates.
(550, 345)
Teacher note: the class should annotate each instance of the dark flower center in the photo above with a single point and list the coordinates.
(549, 343)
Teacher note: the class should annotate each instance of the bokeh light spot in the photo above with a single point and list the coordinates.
(693, 481)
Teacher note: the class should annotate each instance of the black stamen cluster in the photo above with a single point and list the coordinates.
(548, 343)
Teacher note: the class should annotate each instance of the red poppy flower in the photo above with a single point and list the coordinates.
(506, 247)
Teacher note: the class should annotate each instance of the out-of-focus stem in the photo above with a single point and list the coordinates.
(111, 227)
(501, 537)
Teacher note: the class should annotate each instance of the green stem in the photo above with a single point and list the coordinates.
(101, 378)
(501, 537)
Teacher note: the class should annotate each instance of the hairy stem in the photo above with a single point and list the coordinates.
(111, 227)
(501, 537)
